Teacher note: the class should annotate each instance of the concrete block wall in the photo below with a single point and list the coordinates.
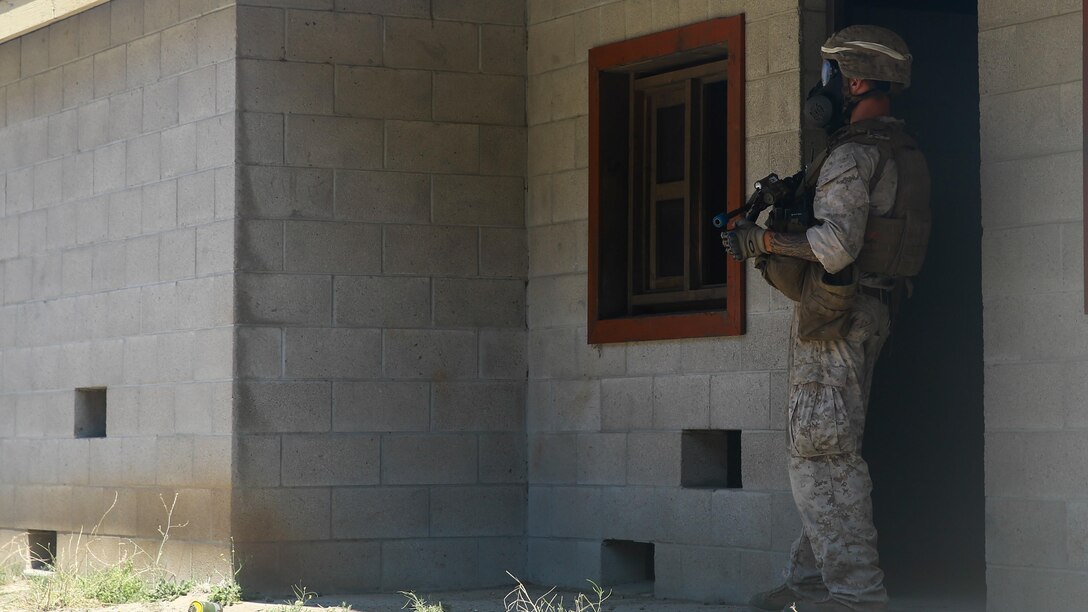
(382, 260)
(116, 232)
(1035, 329)
(604, 422)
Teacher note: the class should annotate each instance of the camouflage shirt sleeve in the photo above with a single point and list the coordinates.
(841, 206)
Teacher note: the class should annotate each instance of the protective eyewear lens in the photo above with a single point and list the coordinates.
(828, 72)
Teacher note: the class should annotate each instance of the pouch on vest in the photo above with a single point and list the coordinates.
(787, 274)
(826, 303)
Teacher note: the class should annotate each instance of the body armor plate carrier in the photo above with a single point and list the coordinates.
(894, 245)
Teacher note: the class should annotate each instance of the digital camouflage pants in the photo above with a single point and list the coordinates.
(829, 391)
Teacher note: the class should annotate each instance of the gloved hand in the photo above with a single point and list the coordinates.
(744, 240)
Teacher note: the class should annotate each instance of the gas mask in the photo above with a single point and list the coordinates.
(825, 106)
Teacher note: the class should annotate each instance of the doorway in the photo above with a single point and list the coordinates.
(924, 436)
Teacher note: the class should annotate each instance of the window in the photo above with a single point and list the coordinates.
(90, 418)
(666, 155)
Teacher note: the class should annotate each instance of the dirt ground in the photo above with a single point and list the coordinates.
(486, 600)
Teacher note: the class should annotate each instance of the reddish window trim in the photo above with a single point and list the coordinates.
(727, 322)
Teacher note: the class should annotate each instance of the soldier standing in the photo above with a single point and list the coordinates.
(869, 195)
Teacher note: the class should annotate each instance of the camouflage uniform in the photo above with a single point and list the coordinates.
(829, 391)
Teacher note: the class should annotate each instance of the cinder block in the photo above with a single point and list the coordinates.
(108, 266)
(215, 248)
(740, 400)
(291, 87)
(336, 567)
(196, 198)
(1007, 12)
(558, 249)
(260, 32)
(1026, 532)
(316, 460)
(109, 168)
(503, 49)
(143, 159)
(213, 350)
(334, 37)
(1076, 529)
(383, 93)
(551, 45)
(503, 150)
(1012, 589)
(427, 250)
(382, 301)
(1043, 125)
(284, 298)
(429, 354)
(141, 261)
(502, 354)
(1005, 273)
(1008, 386)
(333, 142)
(197, 94)
(256, 461)
(557, 301)
(47, 183)
(328, 247)
(48, 92)
(478, 200)
(381, 512)
(10, 58)
(503, 458)
(698, 572)
(553, 458)
(503, 252)
(400, 8)
(551, 147)
(477, 98)
(179, 151)
(109, 72)
(159, 15)
(215, 142)
(77, 82)
(581, 561)
(20, 101)
(570, 196)
(763, 461)
(488, 11)
(397, 197)
(203, 407)
(429, 459)
(259, 246)
(266, 407)
(494, 406)
(215, 36)
(158, 302)
(259, 352)
(431, 45)
(602, 458)
(93, 120)
(177, 254)
(478, 511)
(160, 105)
(286, 192)
(429, 564)
(332, 353)
(653, 458)
(178, 45)
(479, 303)
(626, 404)
(35, 57)
(432, 147)
(743, 519)
(282, 514)
(126, 21)
(126, 114)
(142, 61)
(381, 406)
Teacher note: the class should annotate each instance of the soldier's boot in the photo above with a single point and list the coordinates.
(775, 599)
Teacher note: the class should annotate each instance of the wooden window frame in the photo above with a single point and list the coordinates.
(710, 39)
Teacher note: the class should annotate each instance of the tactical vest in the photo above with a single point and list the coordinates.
(894, 245)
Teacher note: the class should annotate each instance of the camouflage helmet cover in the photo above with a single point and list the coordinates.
(869, 52)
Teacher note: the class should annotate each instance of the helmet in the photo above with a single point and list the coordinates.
(869, 52)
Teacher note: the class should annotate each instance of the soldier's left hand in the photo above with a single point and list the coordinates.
(744, 242)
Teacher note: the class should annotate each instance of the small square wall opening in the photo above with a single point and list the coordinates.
(627, 563)
(90, 421)
(710, 459)
(43, 549)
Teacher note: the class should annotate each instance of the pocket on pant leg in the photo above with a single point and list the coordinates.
(819, 420)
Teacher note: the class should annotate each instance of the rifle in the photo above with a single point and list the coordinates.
(790, 211)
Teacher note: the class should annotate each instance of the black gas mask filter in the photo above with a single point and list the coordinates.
(825, 105)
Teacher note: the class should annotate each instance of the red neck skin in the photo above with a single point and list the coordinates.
(877, 106)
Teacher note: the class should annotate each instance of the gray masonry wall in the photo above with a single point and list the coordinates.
(380, 412)
(1036, 332)
(604, 422)
(116, 226)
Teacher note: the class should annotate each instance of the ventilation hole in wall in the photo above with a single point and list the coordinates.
(90, 419)
(43, 549)
(710, 459)
(628, 565)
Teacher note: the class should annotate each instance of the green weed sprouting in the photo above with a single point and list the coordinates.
(418, 604)
(519, 600)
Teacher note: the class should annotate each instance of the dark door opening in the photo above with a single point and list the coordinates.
(924, 437)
